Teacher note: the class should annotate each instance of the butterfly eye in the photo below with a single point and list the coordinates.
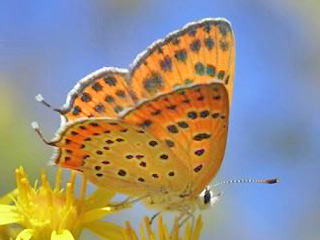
(207, 197)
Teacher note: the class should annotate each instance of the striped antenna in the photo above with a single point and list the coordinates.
(40, 99)
(268, 181)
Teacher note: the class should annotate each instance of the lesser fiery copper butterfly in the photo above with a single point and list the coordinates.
(159, 128)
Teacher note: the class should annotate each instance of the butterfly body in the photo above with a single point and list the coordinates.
(160, 128)
(171, 202)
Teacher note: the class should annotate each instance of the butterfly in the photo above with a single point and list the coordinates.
(157, 130)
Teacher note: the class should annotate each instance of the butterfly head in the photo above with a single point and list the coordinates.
(207, 198)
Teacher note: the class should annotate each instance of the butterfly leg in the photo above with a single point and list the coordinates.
(122, 204)
(154, 217)
(188, 214)
(127, 202)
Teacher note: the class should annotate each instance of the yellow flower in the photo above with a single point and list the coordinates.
(5, 232)
(56, 213)
(163, 234)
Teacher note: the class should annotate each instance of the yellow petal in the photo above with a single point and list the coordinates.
(8, 214)
(7, 208)
(150, 233)
(7, 199)
(175, 230)
(25, 234)
(163, 234)
(95, 214)
(99, 198)
(197, 228)
(63, 234)
(106, 230)
(188, 232)
(142, 234)
(131, 234)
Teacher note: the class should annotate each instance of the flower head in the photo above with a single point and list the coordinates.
(56, 213)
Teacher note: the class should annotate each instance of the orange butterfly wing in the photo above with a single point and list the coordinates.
(199, 52)
(185, 83)
(193, 122)
(120, 157)
(102, 93)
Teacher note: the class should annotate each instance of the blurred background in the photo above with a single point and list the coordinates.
(47, 46)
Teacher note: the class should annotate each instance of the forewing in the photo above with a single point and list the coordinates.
(199, 52)
(121, 157)
(193, 122)
(102, 93)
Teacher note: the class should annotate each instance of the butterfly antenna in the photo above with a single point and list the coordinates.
(35, 126)
(268, 181)
(40, 99)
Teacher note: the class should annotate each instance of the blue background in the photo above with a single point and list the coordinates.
(47, 46)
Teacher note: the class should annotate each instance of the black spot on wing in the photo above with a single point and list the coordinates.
(153, 83)
(201, 136)
(121, 93)
(209, 43)
(109, 99)
(111, 81)
(172, 129)
(195, 45)
(181, 55)
(86, 97)
(166, 63)
(76, 110)
(99, 108)
(96, 86)
(169, 143)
